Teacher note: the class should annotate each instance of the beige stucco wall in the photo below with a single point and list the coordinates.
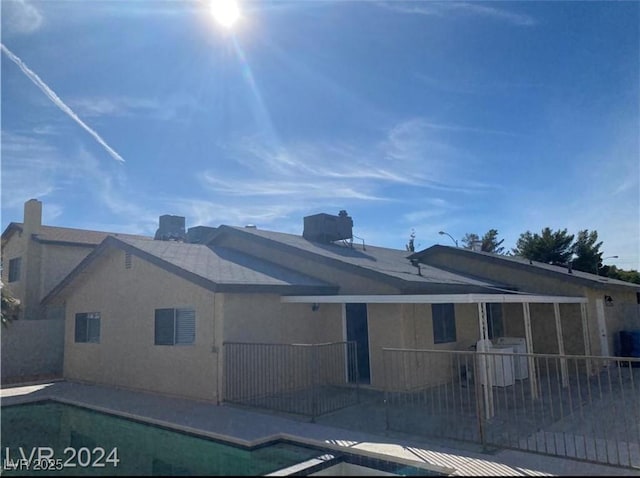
(15, 247)
(264, 318)
(126, 355)
(57, 262)
(410, 326)
(621, 315)
(31, 349)
(349, 283)
(268, 370)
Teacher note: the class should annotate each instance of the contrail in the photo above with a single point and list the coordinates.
(58, 102)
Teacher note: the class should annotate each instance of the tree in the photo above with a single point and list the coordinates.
(10, 306)
(411, 245)
(628, 276)
(587, 250)
(549, 247)
(468, 240)
(489, 242)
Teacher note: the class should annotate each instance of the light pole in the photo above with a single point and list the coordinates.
(604, 259)
(454, 241)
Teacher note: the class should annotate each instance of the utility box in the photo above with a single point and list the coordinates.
(327, 227)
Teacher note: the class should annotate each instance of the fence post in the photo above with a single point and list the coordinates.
(315, 381)
(479, 399)
(385, 364)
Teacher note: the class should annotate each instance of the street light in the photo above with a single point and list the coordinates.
(454, 241)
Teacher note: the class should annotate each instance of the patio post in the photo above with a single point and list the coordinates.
(533, 378)
(585, 335)
(485, 361)
(563, 362)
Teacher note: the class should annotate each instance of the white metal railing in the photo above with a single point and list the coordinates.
(305, 379)
(583, 407)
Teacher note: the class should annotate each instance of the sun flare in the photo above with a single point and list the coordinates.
(225, 12)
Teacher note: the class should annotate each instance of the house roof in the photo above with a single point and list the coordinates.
(584, 278)
(384, 264)
(218, 269)
(67, 235)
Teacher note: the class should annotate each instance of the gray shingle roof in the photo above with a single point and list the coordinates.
(526, 263)
(222, 265)
(74, 236)
(215, 268)
(392, 263)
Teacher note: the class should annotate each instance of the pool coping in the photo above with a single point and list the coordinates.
(311, 465)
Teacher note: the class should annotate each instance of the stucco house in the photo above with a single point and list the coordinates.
(36, 257)
(156, 315)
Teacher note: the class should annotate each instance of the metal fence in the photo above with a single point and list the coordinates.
(304, 379)
(583, 407)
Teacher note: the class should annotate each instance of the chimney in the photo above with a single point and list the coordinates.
(32, 216)
(171, 228)
(476, 246)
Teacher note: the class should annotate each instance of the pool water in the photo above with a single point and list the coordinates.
(141, 449)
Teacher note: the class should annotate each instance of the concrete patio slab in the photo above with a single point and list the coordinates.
(249, 428)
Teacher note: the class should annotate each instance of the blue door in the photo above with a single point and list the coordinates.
(358, 331)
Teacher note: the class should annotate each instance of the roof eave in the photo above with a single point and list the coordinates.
(595, 283)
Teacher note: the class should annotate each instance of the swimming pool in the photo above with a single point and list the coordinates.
(47, 438)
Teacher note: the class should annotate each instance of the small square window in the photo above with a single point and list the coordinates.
(175, 327)
(88, 328)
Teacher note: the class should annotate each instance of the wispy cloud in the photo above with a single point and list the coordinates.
(460, 8)
(55, 99)
(301, 175)
(95, 107)
(168, 109)
(30, 169)
(308, 189)
(20, 17)
(212, 212)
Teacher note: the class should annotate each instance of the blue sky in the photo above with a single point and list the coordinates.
(456, 116)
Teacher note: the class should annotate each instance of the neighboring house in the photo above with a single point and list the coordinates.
(35, 257)
(154, 315)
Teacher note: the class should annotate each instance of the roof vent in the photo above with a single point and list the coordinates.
(251, 226)
(171, 228)
(328, 228)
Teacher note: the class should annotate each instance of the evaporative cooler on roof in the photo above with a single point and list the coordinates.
(327, 227)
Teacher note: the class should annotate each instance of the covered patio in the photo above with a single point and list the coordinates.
(480, 342)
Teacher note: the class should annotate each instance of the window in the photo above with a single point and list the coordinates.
(88, 327)
(14, 269)
(175, 327)
(494, 321)
(444, 323)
